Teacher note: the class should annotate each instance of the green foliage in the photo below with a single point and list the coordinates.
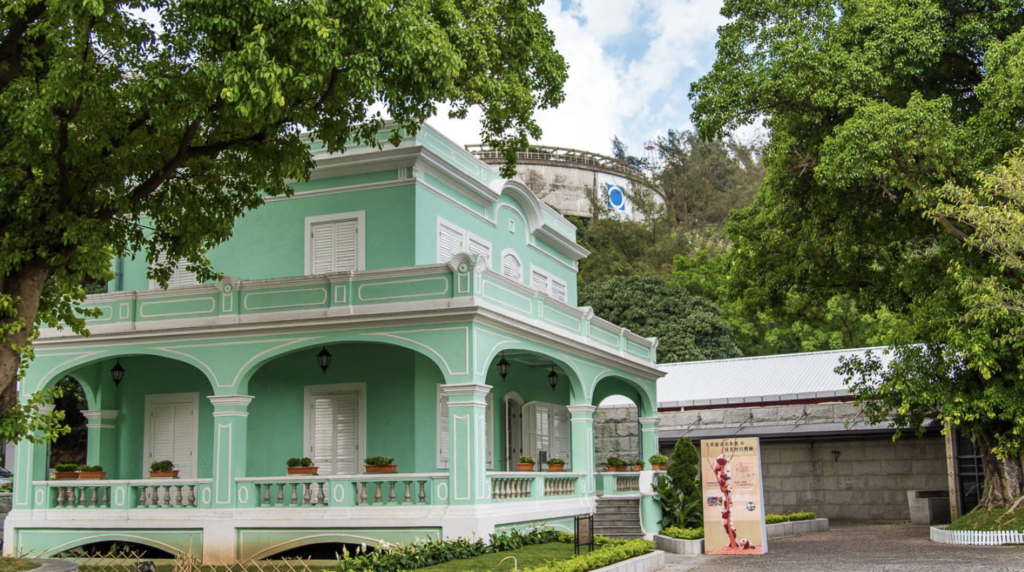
(528, 460)
(658, 459)
(161, 466)
(122, 138)
(379, 461)
(429, 553)
(524, 559)
(684, 470)
(616, 462)
(66, 467)
(638, 463)
(71, 447)
(687, 327)
(775, 518)
(871, 226)
(298, 462)
(999, 518)
(683, 533)
(791, 517)
(680, 494)
(600, 558)
(556, 461)
(90, 469)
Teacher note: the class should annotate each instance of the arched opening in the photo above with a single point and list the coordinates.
(617, 434)
(115, 549)
(319, 551)
(374, 400)
(71, 447)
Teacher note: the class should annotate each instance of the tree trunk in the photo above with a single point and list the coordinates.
(1004, 478)
(25, 288)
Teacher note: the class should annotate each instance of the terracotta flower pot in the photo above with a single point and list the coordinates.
(164, 474)
(65, 475)
(556, 468)
(381, 468)
(302, 470)
(524, 466)
(612, 469)
(660, 467)
(637, 467)
(92, 475)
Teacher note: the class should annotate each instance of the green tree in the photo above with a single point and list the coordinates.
(684, 468)
(688, 328)
(874, 108)
(119, 136)
(681, 496)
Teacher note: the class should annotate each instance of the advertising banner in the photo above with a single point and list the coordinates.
(733, 496)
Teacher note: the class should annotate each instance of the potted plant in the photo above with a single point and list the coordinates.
(91, 472)
(658, 462)
(380, 465)
(303, 466)
(616, 464)
(525, 464)
(65, 471)
(163, 470)
(638, 465)
(556, 465)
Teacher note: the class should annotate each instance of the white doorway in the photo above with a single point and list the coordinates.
(513, 429)
(335, 427)
(172, 432)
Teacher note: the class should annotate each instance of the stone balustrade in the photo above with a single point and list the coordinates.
(510, 486)
(121, 494)
(313, 491)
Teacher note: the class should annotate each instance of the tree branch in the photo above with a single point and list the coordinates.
(10, 47)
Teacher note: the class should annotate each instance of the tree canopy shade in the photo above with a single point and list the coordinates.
(688, 328)
(106, 118)
(880, 113)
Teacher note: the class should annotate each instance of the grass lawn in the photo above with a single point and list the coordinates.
(995, 519)
(526, 557)
(16, 565)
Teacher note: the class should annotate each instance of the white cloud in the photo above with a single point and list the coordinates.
(634, 95)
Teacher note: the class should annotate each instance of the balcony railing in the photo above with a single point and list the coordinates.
(122, 494)
(513, 486)
(399, 489)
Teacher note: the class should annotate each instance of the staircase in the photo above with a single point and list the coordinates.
(618, 518)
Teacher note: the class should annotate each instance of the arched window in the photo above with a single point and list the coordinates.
(511, 267)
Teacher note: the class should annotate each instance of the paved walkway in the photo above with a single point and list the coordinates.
(860, 548)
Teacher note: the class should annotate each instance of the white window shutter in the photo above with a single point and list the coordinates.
(333, 246)
(511, 268)
(173, 436)
(544, 429)
(179, 277)
(345, 245)
(489, 432)
(558, 290)
(442, 429)
(335, 439)
(450, 242)
(561, 432)
(480, 248)
(540, 281)
(530, 430)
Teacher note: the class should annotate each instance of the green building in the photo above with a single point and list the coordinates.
(370, 314)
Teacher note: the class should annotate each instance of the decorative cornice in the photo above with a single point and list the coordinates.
(230, 400)
(582, 409)
(476, 389)
(108, 414)
(650, 421)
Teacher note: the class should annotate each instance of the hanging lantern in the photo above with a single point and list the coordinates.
(503, 366)
(324, 359)
(553, 377)
(117, 373)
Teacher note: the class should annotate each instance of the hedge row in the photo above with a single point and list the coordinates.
(791, 517)
(683, 533)
(599, 558)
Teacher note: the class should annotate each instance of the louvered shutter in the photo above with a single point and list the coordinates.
(530, 430)
(450, 241)
(558, 290)
(479, 248)
(489, 432)
(511, 268)
(345, 247)
(179, 277)
(172, 436)
(334, 246)
(540, 281)
(335, 427)
(442, 429)
(560, 431)
(543, 427)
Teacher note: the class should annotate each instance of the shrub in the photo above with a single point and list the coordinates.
(379, 461)
(529, 460)
(556, 461)
(616, 462)
(599, 558)
(658, 460)
(91, 469)
(65, 467)
(775, 518)
(685, 468)
(639, 463)
(683, 533)
(796, 516)
(161, 466)
(300, 462)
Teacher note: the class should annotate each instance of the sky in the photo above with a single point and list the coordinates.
(631, 63)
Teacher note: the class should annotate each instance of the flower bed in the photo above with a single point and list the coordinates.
(791, 517)
(975, 537)
(608, 555)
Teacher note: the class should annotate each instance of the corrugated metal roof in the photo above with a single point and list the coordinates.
(753, 379)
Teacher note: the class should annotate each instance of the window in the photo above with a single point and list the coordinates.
(511, 267)
(546, 431)
(172, 431)
(549, 285)
(335, 243)
(443, 431)
(452, 240)
(334, 428)
(180, 277)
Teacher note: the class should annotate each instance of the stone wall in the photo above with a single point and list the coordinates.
(616, 434)
(869, 481)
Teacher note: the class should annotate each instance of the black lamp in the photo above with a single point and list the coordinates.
(324, 359)
(503, 366)
(117, 373)
(553, 377)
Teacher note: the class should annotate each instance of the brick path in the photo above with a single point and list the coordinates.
(861, 548)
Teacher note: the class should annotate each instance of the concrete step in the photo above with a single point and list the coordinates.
(618, 529)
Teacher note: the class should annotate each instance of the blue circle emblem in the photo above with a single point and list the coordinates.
(616, 198)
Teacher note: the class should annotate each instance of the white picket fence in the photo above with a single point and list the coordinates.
(976, 537)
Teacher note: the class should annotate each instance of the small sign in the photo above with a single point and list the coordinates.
(733, 496)
(584, 532)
